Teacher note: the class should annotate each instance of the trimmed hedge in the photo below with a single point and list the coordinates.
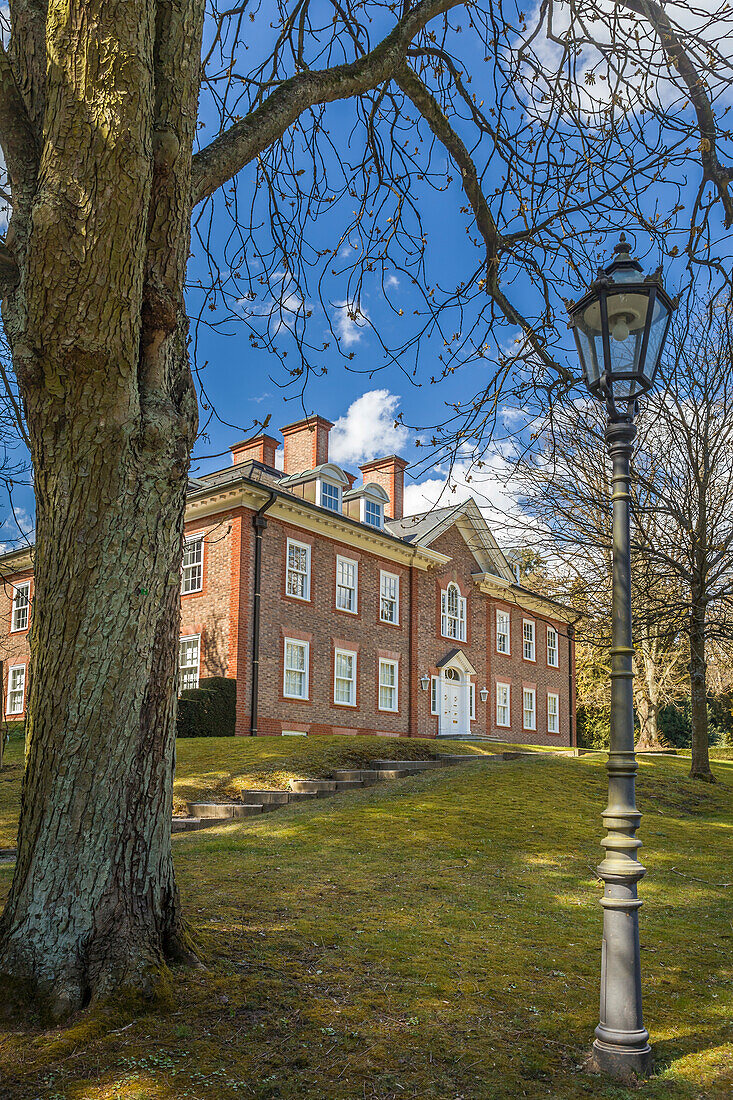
(209, 710)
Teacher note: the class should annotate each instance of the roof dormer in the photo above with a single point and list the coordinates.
(324, 485)
(367, 503)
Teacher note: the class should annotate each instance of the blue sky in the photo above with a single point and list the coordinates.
(363, 394)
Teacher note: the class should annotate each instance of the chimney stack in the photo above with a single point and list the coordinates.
(260, 448)
(388, 472)
(306, 444)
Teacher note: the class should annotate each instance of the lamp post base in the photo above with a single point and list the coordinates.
(623, 1064)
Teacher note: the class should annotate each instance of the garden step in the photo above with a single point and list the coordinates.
(313, 786)
(348, 784)
(223, 811)
(267, 798)
(391, 773)
(407, 765)
(367, 776)
(450, 758)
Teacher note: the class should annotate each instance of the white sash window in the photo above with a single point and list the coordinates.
(453, 613)
(298, 581)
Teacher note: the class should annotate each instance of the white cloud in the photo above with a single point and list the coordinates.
(490, 486)
(351, 320)
(282, 308)
(280, 458)
(392, 280)
(368, 430)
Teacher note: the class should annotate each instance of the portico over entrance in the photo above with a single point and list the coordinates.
(455, 692)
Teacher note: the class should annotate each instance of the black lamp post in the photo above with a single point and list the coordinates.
(620, 327)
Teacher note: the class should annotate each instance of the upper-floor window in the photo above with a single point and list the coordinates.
(372, 513)
(387, 685)
(502, 631)
(528, 640)
(21, 606)
(389, 597)
(330, 496)
(192, 578)
(16, 690)
(298, 581)
(295, 678)
(552, 646)
(553, 712)
(453, 613)
(347, 574)
(189, 650)
(530, 714)
(502, 704)
(344, 678)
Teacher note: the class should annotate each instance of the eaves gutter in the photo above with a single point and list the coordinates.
(412, 552)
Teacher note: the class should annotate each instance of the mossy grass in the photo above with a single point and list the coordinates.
(436, 937)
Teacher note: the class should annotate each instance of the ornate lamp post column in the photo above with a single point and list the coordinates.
(620, 327)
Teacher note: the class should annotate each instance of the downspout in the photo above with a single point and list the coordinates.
(259, 522)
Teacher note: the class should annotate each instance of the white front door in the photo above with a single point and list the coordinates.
(454, 704)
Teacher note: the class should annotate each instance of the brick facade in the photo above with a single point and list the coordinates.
(220, 614)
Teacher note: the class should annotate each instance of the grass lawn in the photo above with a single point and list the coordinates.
(434, 937)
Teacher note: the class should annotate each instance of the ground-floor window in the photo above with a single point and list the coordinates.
(295, 684)
(388, 685)
(16, 690)
(553, 712)
(344, 679)
(502, 705)
(530, 715)
(188, 662)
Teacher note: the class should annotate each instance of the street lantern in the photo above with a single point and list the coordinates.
(425, 681)
(620, 326)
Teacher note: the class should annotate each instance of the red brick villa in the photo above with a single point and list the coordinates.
(337, 614)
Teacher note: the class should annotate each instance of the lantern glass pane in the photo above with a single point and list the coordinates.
(590, 346)
(657, 329)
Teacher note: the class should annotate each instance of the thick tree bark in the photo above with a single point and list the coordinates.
(98, 334)
(700, 767)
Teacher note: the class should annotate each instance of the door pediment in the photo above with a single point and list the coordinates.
(458, 659)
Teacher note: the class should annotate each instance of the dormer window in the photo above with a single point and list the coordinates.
(372, 513)
(330, 496)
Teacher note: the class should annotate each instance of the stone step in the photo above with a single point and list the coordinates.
(313, 786)
(223, 811)
(407, 765)
(267, 798)
(451, 758)
(189, 824)
(348, 784)
(392, 773)
(367, 776)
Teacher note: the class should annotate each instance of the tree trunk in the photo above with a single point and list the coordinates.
(98, 333)
(647, 703)
(700, 767)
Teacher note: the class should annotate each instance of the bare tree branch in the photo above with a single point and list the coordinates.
(237, 146)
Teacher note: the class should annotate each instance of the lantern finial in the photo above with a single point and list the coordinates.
(623, 246)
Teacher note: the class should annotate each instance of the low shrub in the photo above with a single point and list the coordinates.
(208, 710)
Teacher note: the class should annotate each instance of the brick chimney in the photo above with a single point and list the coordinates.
(260, 448)
(306, 444)
(388, 472)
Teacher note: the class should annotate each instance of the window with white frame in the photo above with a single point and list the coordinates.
(453, 613)
(330, 496)
(347, 580)
(529, 709)
(502, 705)
(433, 694)
(502, 632)
(372, 513)
(552, 646)
(295, 679)
(528, 638)
(192, 573)
(344, 678)
(298, 581)
(21, 606)
(387, 685)
(553, 712)
(389, 598)
(189, 650)
(472, 702)
(16, 690)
